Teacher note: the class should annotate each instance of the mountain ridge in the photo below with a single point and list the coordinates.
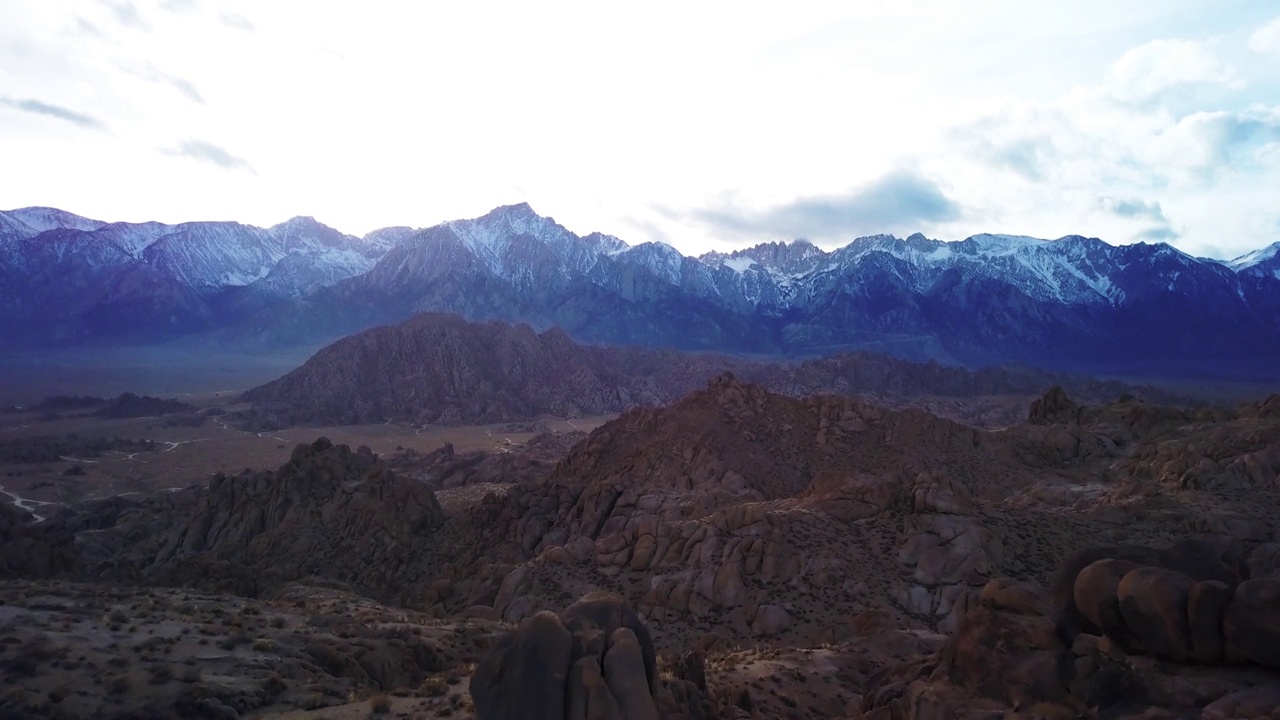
(1073, 303)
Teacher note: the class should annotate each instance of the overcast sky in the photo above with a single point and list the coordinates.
(706, 125)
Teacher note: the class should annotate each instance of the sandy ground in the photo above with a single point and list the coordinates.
(189, 455)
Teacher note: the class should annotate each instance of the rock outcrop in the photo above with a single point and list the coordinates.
(329, 511)
(1009, 655)
(28, 551)
(129, 405)
(1181, 604)
(1053, 408)
(593, 661)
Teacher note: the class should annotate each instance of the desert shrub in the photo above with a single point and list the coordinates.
(434, 686)
(160, 674)
(380, 704)
(274, 685)
(233, 641)
(118, 684)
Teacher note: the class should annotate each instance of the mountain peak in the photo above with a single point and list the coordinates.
(521, 210)
(303, 223)
(1261, 255)
(41, 219)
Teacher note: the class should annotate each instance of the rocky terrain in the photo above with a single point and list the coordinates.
(737, 553)
(441, 369)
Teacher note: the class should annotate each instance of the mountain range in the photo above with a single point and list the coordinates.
(1073, 303)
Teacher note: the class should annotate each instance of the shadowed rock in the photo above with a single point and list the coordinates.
(1053, 408)
(1095, 595)
(1206, 604)
(1251, 626)
(1153, 602)
(595, 661)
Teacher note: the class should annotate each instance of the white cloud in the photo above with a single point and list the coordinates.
(1266, 39)
(1212, 140)
(1152, 68)
(1021, 114)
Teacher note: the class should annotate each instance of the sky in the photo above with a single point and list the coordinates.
(709, 125)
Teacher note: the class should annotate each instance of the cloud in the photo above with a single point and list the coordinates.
(86, 28)
(238, 22)
(1132, 208)
(179, 6)
(1266, 39)
(35, 107)
(1024, 157)
(1148, 70)
(1162, 233)
(1138, 209)
(127, 13)
(207, 152)
(186, 88)
(1210, 140)
(900, 200)
(150, 73)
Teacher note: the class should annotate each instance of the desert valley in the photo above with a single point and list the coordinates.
(932, 373)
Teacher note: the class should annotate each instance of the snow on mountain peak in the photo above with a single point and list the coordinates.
(1256, 257)
(41, 219)
(989, 244)
(299, 223)
(606, 244)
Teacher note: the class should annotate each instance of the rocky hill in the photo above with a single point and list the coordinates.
(328, 512)
(441, 369)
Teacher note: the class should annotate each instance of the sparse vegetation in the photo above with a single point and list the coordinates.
(380, 704)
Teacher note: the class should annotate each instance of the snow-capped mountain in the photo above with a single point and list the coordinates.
(66, 277)
(1073, 302)
(1260, 263)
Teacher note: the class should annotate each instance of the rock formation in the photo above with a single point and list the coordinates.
(594, 661)
(328, 511)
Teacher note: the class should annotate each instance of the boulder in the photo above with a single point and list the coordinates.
(1206, 605)
(941, 496)
(1251, 625)
(1009, 654)
(1016, 596)
(525, 673)
(595, 661)
(1153, 603)
(587, 696)
(1096, 599)
(1264, 561)
(770, 620)
(625, 673)
(1255, 702)
(1198, 559)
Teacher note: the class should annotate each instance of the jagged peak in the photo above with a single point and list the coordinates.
(518, 212)
(606, 243)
